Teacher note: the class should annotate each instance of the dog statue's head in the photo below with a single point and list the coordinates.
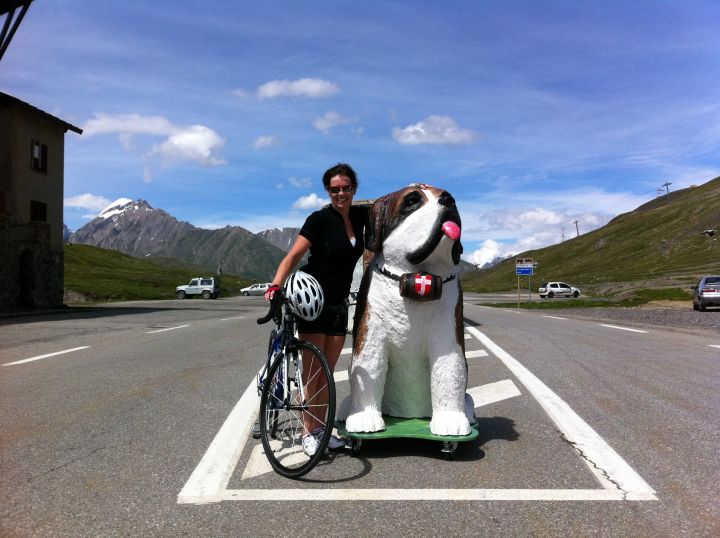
(416, 226)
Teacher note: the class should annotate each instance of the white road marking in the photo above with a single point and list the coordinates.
(606, 464)
(493, 392)
(350, 494)
(168, 329)
(622, 328)
(475, 354)
(468, 336)
(715, 345)
(554, 317)
(619, 481)
(341, 375)
(346, 351)
(236, 317)
(211, 476)
(39, 357)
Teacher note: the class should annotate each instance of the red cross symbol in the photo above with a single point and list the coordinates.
(423, 284)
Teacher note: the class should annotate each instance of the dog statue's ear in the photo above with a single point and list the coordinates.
(377, 218)
(373, 232)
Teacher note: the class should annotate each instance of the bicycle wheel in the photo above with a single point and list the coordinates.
(272, 412)
(305, 405)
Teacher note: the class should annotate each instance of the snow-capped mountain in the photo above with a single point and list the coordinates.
(117, 207)
(283, 238)
(136, 228)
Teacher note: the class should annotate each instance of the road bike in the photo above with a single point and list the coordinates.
(297, 395)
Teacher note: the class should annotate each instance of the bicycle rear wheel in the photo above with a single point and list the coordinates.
(304, 404)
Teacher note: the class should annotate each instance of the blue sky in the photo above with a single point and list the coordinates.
(534, 115)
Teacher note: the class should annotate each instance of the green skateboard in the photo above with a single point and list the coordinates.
(416, 428)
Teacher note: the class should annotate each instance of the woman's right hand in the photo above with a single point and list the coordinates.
(270, 293)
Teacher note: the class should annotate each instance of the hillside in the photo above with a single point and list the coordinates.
(97, 274)
(138, 229)
(660, 244)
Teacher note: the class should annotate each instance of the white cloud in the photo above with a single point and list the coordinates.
(241, 93)
(128, 124)
(329, 121)
(315, 88)
(434, 130)
(310, 202)
(87, 201)
(488, 251)
(300, 182)
(195, 143)
(265, 142)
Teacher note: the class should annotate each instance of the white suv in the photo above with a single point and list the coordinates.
(557, 289)
(206, 287)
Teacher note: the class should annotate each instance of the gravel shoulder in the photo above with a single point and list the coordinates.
(678, 315)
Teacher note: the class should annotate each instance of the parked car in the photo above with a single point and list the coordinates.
(706, 293)
(557, 289)
(256, 289)
(206, 287)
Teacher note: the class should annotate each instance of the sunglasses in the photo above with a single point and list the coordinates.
(345, 190)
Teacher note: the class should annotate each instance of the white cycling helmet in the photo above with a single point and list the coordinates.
(305, 295)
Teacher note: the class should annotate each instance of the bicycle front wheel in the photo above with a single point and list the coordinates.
(298, 401)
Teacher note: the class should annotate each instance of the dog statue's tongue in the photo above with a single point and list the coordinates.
(451, 229)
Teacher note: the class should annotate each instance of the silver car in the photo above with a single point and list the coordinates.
(557, 289)
(706, 293)
(255, 289)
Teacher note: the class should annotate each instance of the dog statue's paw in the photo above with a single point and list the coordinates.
(449, 423)
(369, 420)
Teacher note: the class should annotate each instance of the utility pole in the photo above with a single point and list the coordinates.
(667, 187)
(576, 227)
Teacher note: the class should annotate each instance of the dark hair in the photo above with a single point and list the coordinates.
(340, 169)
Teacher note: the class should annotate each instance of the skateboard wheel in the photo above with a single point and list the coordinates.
(448, 449)
(355, 446)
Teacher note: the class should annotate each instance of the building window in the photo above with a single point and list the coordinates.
(38, 211)
(38, 156)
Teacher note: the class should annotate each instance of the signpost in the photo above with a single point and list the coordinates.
(524, 266)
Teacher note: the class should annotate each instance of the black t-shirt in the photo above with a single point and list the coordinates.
(332, 256)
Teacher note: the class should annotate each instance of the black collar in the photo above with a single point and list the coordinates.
(387, 273)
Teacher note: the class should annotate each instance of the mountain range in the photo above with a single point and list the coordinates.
(136, 228)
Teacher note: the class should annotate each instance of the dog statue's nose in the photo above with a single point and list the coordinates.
(451, 229)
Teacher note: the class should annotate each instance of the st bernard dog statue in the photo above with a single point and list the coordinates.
(408, 338)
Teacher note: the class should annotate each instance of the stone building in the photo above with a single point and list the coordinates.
(32, 156)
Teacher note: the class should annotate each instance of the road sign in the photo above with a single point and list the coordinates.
(524, 266)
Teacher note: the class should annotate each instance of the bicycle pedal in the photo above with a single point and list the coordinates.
(256, 431)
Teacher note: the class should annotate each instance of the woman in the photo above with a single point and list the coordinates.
(334, 237)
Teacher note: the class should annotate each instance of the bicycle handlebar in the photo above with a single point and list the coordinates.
(275, 304)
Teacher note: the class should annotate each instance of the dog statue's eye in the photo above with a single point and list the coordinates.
(446, 199)
(411, 202)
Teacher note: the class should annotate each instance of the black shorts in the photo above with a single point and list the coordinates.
(333, 320)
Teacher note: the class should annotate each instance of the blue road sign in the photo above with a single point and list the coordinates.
(523, 270)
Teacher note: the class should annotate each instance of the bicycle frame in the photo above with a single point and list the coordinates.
(282, 343)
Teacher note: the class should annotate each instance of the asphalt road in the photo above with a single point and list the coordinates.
(587, 429)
